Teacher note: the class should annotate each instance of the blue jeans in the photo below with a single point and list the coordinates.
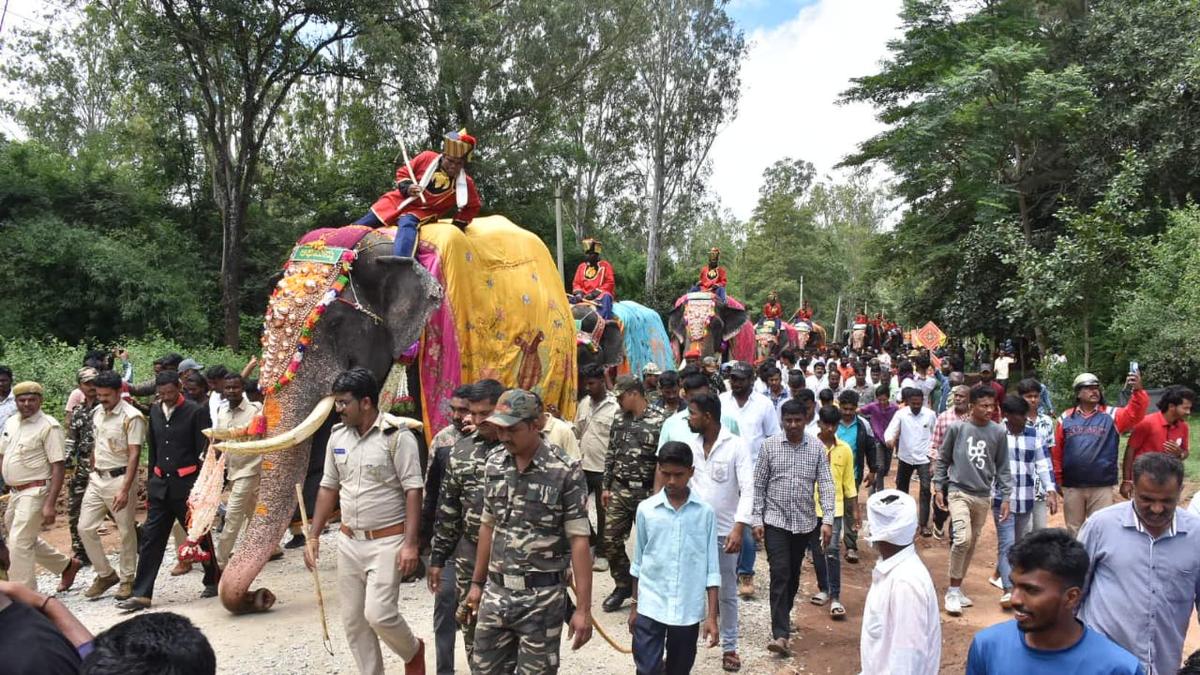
(445, 626)
(745, 563)
(406, 232)
(651, 638)
(827, 564)
(1007, 533)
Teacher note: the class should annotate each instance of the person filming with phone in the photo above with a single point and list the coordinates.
(1164, 431)
(1087, 442)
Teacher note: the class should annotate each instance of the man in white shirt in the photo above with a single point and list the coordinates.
(1003, 361)
(593, 424)
(901, 627)
(757, 420)
(723, 479)
(817, 380)
(911, 432)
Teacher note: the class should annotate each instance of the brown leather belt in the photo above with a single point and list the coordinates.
(26, 486)
(369, 535)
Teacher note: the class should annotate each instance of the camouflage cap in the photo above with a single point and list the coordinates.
(651, 369)
(86, 374)
(625, 383)
(741, 369)
(515, 405)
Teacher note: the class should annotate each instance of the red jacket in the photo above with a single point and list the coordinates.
(440, 194)
(772, 310)
(601, 279)
(710, 279)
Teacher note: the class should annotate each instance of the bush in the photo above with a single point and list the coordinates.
(54, 363)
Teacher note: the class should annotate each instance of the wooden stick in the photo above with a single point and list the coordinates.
(411, 173)
(600, 629)
(315, 570)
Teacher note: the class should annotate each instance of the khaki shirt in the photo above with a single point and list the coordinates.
(372, 472)
(114, 432)
(240, 465)
(30, 446)
(593, 421)
(561, 433)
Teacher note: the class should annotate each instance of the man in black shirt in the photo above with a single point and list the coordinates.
(177, 446)
(38, 635)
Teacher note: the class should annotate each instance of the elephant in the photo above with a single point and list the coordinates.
(599, 341)
(810, 335)
(699, 321)
(484, 303)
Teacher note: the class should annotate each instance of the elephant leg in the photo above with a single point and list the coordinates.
(281, 471)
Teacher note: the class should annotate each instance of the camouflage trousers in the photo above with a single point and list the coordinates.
(76, 487)
(464, 569)
(519, 631)
(622, 511)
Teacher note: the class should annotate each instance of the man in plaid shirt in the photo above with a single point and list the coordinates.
(1029, 461)
(791, 471)
(960, 394)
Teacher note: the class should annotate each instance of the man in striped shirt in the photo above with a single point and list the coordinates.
(1029, 462)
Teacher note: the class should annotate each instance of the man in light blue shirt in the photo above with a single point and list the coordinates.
(1145, 575)
(675, 570)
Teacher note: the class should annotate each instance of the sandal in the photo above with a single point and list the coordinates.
(837, 611)
(820, 598)
(730, 662)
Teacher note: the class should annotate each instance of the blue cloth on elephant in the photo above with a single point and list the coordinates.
(646, 340)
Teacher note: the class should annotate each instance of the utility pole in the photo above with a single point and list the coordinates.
(837, 319)
(558, 227)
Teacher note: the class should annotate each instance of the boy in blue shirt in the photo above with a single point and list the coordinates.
(1049, 569)
(675, 570)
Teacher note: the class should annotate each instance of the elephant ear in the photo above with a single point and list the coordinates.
(410, 294)
(675, 323)
(612, 345)
(733, 320)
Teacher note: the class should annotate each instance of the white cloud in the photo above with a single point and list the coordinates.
(791, 81)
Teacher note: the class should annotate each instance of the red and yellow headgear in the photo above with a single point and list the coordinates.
(591, 246)
(458, 144)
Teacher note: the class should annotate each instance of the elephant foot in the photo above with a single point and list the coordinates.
(254, 602)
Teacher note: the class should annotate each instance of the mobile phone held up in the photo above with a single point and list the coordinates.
(1133, 368)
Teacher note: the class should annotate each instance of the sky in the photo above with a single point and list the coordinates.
(801, 56)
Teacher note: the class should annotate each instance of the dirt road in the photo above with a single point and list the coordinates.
(288, 639)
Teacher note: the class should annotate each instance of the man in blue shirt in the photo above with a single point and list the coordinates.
(675, 570)
(1049, 570)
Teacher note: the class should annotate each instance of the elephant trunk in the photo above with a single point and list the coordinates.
(287, 445)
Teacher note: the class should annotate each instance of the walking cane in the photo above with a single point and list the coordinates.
(315, 570)
(596, 624)
(404, 152)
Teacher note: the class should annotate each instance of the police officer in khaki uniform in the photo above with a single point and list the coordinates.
(372, 464)
(119, 430)
(242, 470)
(534, 521)
(33, 466)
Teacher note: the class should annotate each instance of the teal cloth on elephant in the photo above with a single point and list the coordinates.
(646, 339)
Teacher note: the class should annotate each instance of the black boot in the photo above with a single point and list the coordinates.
(297, 541)
(617, 598)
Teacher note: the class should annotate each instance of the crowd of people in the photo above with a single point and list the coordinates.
(708, 464)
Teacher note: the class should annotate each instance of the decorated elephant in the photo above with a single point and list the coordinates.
(633, 339)
(699, 321)
(597, 341)
(810, 335)
(770, 341)
(484, 303)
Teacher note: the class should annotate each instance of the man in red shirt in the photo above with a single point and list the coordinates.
(594, 279)
(1164, 431)
(987, 378)
(436, 185)
(712, 276)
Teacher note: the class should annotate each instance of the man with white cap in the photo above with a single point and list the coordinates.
(901, 628)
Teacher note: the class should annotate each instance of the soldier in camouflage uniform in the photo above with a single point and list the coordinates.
(629, 467)
(650, 374)
(534, 515)
(79, 445)
(460, 504)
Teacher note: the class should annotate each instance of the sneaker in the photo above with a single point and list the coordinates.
(746, 586)
(600, 564)
(124, 591)
(1006, 600)
(100, 585)
(995, 581)
(297, 541)
(964, 600)
(779, 646)
(953, 604)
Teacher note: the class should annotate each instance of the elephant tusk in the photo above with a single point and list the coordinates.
(227, 434)
(295, 436)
